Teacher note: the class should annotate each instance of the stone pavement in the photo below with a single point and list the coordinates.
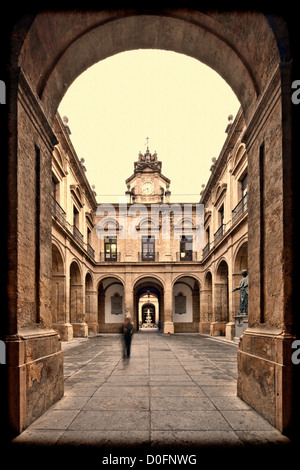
(175, 391)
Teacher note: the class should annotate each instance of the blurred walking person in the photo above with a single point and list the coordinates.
(127, 334)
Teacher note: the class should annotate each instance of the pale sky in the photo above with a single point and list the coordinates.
(179, 103)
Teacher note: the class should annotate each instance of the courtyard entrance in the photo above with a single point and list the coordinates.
(148, 304)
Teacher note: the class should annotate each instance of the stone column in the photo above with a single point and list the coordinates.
(217, 326)
(58, 304)
(77, 311)
(128, 301)
(168, 326)
(91, 311)
(205, 311)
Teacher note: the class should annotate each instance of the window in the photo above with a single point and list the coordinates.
(208, 235)
(55, 189)
(88, 235)
(186, 248)
(244, 185)
(221, 215)
(148, 248)
(75, 217)
(110, 249)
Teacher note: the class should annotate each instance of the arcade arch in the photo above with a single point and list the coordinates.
(240, 263)
(58, 290)
(186, 304)
(111, 304)
(148, 291)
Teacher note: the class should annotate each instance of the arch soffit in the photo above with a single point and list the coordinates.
(241, 245)
(75, 261)
(58, 247)
(208, 278)
(108, 276)
(90, 274)
(148, 304)
(177, 30)
(222, 260)
(181, 276)
(145, 278)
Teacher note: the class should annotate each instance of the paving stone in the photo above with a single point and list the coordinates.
(188, 420)
(174, 390)
(121, 402)
(111, 420)
(188, 403)
(246, 420)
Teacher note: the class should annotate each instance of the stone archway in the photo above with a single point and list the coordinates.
(240, 263)
(58, 297)
(70, 42)
(149, 287)
(111, 305)
(186, 304)
(77, 311)
(221, 300)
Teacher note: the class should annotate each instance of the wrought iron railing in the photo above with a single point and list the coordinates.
(90, 251)
(110, 257)
(148, 256)
(186, 256)
(239, 209)
(58, 212)
(205, 250)
(219, 233)
(77, 235)
(60, 215)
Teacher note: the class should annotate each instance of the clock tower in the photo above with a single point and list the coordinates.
(148, 184)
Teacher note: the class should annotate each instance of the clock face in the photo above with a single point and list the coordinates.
(147, 188)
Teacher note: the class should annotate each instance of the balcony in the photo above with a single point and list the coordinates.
(58, 212)
(239, 209)
(90, 251)
(77, 235)
(148, 256)
(186, 256)
(205, 250)
(219, 233)
(110, 257)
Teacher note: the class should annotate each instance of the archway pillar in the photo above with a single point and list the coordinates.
(205, 311)
(34, 357)
(265, 353)
(59, 318)
(129, 298)
(218, 325)
(168, 324)
(91, 311)
(77, 306)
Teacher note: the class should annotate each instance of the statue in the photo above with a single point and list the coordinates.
(243, 287)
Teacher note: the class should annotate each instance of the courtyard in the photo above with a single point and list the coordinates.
(176, 391)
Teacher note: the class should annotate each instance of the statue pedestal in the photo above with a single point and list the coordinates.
(241, 324)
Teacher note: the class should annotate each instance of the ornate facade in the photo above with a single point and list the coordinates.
(172, 266)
